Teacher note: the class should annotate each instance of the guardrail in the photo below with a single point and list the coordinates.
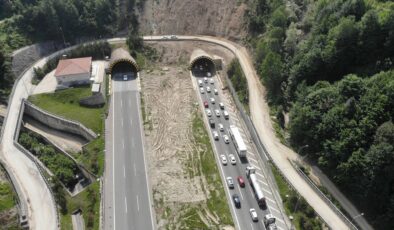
(21, 206)
(33, 158)
(259, 146)
(324, 197)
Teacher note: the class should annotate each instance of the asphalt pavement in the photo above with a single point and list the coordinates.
(127, 199)
(242, 218)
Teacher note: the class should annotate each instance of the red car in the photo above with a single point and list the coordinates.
(241, 181)
(206, 104)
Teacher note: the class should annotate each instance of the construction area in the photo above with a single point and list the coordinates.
(186, 185)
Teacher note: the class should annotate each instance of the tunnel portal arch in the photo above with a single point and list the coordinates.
(201, 63)
(122, 63)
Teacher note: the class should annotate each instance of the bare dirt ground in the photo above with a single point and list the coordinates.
(223, 18)
(170, 106)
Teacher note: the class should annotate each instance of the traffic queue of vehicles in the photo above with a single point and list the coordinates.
(236, 138)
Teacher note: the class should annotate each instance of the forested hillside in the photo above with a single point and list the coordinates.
(330, 64)
(23, 22)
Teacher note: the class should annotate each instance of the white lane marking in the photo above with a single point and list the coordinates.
(272, 208)
(124, 171)
(251, 225)
(280, 220)
(269, 199)
(143, 150)
(255, 166)
(263, 182)
(135, 171)
(123, 143)
(265, 190)
(132, 143)
(125, 203)
(121, 103)
(260, 174)
(122, 123)
(240, 192)
(253, 160)
(138, 204)
(113, 156)
(279, 228)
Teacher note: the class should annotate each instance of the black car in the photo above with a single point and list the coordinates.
(237, 201)
(211, 123)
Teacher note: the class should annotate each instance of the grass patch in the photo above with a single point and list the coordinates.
(89, 202)
(217, 202)
(92, 156)
(65, 103)
(239, 82)
(296, 206)
(7, 199)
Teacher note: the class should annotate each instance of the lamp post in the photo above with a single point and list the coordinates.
(356, 216)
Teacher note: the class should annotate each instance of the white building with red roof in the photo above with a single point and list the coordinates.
(76, 71)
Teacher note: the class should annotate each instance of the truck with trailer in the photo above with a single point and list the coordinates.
(251, 175)
(238, 141)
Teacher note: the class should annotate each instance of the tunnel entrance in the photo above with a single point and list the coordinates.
(203, 67)
(123, 68)
(122, 65)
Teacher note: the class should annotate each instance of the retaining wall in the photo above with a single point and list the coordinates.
(57, 122)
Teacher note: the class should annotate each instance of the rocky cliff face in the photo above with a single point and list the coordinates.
(224, 18)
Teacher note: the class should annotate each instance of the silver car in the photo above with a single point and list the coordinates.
(230, 182)
(223, 159)
(232, 159)
(209, 113)
(217, 112)
(226, 139)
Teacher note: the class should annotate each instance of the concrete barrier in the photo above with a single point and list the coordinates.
(58, 122)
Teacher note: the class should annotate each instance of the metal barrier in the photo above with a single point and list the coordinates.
(324, 197)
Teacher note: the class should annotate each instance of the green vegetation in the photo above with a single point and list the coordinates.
(6, 76)
(59, 164)
(88, 201)
(329, 63)
(92, 156)
(65, 103)
(296, 206)
(217, 202)
(239, 83)
(6, 197)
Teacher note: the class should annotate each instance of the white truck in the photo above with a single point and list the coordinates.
(238, 141)
(251, 175)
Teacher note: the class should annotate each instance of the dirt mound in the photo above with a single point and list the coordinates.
(224, 18)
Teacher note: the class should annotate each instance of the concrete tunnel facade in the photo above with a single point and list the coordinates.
(122, 61)
(201, 58)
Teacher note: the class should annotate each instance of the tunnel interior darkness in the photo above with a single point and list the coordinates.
(123, 67)
(201, 66)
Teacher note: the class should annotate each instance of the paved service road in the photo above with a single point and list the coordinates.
(128, 203)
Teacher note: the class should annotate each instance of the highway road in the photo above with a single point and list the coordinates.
(241, 216)
(128, 197)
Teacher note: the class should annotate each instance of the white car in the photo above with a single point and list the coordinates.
(221, 105)
(230, 182)
(208, 89)
(124, 77)
(221, 127)
(223, 159)
(208, 74)
(253, 214)
(217, 112)
(164, 37)
(174, 37)
(216, 91)
(225, 114)
(211, 81)
(209, 113)
(226, 139)
(205, 78)
(202, 90)
(215, 135)
(212, 100)
(232, 159)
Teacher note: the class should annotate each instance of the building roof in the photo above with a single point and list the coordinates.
(73, 66)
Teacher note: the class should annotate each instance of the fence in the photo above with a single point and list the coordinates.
(324, 197)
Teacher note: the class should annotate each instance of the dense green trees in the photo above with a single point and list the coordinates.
(348, 127)
(63, 167)
(6, 76)
(238, 81)
(330, 63)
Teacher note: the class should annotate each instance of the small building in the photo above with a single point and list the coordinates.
(76, 71)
